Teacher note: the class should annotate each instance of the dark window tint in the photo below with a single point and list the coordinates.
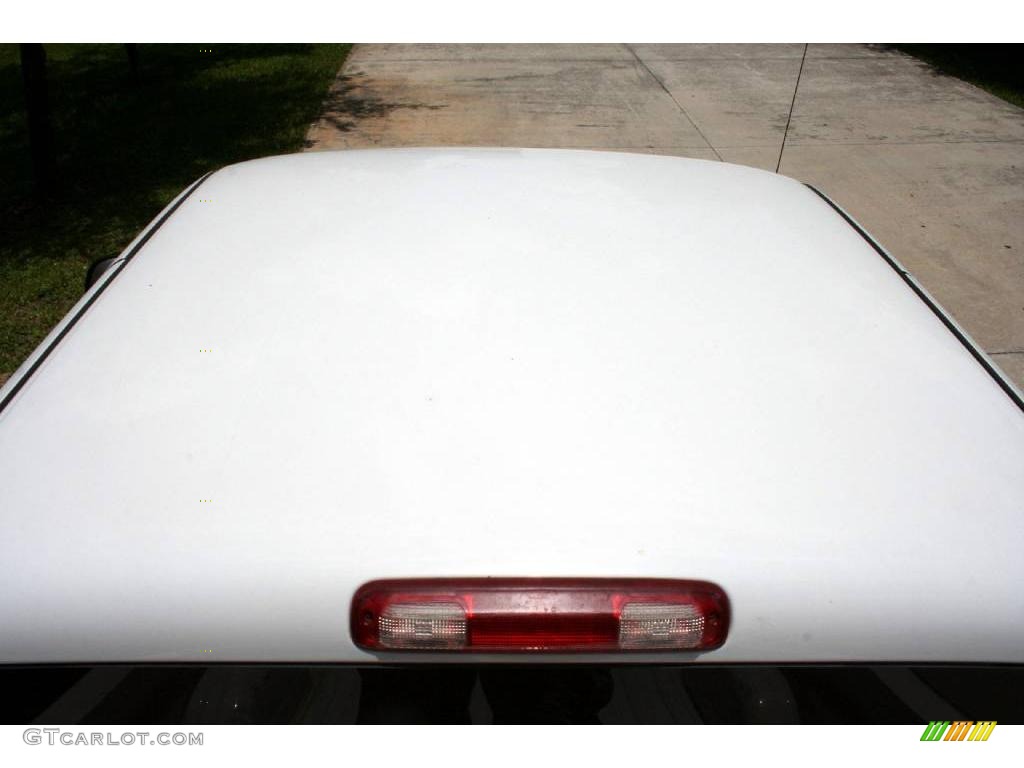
(519, 694)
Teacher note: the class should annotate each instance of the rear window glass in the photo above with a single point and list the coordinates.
(520, 694)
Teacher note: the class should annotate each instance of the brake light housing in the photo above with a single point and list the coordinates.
(531, 615)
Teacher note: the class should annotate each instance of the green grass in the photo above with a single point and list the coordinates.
(996, 68)
(125, 147)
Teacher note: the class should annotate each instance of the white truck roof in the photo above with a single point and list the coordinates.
(328, 368)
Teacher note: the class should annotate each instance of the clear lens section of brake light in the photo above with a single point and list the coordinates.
(660, 625)
(506, 615)
(439, 626)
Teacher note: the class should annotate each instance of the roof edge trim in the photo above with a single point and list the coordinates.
(972, 346)
(98, 289)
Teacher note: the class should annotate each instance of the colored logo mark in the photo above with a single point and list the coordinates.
(958, 730)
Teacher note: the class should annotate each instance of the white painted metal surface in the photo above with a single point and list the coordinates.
(506, 362)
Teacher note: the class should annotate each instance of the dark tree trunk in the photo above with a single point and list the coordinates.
(132, 49)
(37, 104)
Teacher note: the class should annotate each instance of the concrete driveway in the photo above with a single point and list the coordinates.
(932, 166)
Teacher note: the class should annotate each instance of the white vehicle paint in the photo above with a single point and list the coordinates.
(330, 368)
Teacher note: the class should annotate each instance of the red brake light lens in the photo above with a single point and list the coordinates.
(538, 615)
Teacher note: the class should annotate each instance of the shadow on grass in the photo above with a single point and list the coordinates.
(185, 114)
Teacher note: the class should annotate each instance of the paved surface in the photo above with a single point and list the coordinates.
(931, 166)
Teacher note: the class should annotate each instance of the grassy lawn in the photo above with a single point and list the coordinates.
(996, 68)
(125, 146)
